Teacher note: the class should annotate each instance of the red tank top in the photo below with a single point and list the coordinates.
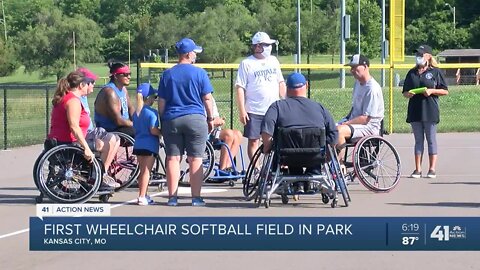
(59, 127)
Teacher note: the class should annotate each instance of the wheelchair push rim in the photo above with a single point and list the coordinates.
(376, 164)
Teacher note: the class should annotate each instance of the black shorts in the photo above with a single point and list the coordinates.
(144, 152)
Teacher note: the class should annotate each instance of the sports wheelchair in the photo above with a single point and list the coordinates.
(295, 148)
(374, 161)
(125, 169)
(211, 164)
(62, 173)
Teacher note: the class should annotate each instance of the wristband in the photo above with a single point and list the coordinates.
(209, 119)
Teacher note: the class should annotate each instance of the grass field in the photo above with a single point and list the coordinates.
(28, 110)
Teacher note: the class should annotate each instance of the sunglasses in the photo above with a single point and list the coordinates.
(125, 74)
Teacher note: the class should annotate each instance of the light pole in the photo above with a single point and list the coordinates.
(4, 22)
(452, 9)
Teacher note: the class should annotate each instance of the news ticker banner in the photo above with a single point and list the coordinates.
(255, 233)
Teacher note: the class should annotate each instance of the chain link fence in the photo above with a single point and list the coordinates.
(25, 109)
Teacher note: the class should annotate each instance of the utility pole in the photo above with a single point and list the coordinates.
(4, 22)
(74, 56)
(298, 33)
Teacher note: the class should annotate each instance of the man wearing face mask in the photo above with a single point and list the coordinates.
(423, 111)
(186, 114)
(259, 83)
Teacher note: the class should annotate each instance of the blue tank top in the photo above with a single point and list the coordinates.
(107, 123)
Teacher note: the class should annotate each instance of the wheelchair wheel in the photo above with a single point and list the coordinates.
(207, 165)
(250, 182)
(264, 181)
(376, 164)
(65, 176)
(124, 167)
(35, 168)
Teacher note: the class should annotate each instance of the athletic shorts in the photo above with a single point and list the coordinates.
(144, 152)
(186, 133)
(253, 128)
(360, 131)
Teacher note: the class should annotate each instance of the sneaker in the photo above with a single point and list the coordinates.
(105, 188)
(145, 201)
(172, 201)
(198, 201)
(107, 179)
(416, 174)
(298, 187)
(431, 174)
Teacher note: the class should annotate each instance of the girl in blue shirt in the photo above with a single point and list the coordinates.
(147, 132)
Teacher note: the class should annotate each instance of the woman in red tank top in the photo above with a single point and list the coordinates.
(69, 120)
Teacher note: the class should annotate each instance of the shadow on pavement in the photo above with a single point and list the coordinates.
(441, 204)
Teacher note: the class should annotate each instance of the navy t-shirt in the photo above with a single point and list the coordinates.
(420, 107)
(299, 112)
(183, 87)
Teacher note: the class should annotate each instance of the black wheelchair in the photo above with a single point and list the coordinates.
(62, 173)
(305, 148)
(374, 161)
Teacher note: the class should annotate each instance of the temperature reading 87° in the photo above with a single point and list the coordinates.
(409, 240)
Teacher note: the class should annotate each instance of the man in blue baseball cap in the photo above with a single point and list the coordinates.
(297, 111)
(186, 112)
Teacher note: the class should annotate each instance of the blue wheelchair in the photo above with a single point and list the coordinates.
(211, 164)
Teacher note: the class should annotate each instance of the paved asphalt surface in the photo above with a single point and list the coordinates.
(455, 192)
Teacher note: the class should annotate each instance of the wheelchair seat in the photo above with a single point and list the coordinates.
(300, 147)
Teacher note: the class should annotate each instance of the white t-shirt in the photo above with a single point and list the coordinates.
(367, 100)
(260, 78)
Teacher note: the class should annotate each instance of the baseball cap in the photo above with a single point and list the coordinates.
(186, 45)
(423, 49)
(262, 37)
(296, 80)
(146, 90)
(358, 59)
(88, 74)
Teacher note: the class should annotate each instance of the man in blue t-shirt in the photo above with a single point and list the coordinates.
(113, 109)
(184, 98)
(297, 111)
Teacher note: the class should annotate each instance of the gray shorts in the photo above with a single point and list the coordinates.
(186, 133)
(253, 128)
(97, 133)
(360, 131)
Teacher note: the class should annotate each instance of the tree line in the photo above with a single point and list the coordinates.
(41, 34)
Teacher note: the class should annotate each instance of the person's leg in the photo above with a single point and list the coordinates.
(173, 174)
(227, 136)
(252, 146)
(196, 175)
(145, 164)
(431, 136)
(344, 133)
(109, 150)
(418, 134)
(252, 131)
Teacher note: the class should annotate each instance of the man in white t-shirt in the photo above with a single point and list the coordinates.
(259, 83)
(366, 115)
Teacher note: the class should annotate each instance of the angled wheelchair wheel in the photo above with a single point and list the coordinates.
(207, 165)
(376, 164)
(65, 176)
(124, 168)
(264, 181)
(250, 182)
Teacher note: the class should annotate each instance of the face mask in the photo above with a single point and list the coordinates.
(420, 61)
(267, 51)
(194, 58)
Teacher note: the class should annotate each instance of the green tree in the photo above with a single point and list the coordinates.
(370, 28)
(48, 46)
(220, 31)
(8, 62)
(22, 14)
(89, 8)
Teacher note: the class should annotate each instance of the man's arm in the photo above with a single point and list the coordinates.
(131, 108)
(282, 90)
(161, 106)
(241, 105)
(267, 142)
(361, 120)
(113, 108)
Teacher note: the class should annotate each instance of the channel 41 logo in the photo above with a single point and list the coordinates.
(443, 233)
